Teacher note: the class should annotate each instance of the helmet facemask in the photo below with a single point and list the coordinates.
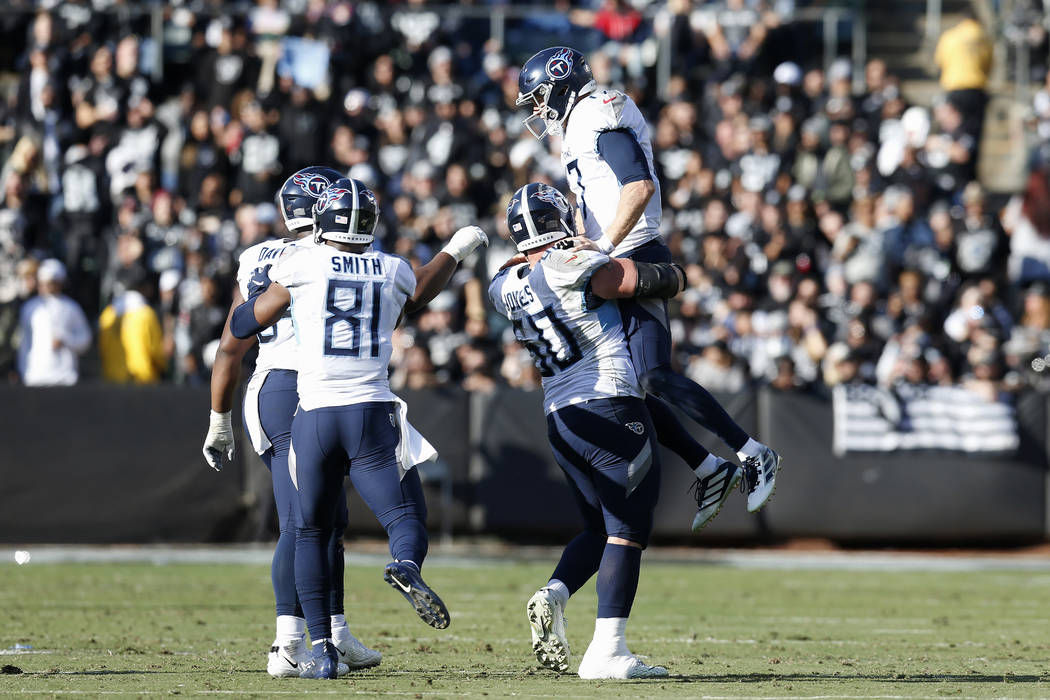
(542, 110)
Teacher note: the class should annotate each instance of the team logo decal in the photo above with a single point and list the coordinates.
(552, 196)
(314, 184)
(559, 65)
(635, 427)
(512, 204)
(329, 196)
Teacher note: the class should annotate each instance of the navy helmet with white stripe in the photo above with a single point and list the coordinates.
(552, 81)
(346, 212)
(297, 195)
(539, 214)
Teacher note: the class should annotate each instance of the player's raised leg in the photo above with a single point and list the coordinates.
(395, 497)
(649, 340)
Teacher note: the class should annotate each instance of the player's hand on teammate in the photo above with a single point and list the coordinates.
(515, 260)
(219, 441)
(259, 281)
(465, 241)
(580, 243)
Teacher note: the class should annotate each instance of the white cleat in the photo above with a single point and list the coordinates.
(547, 622)
(712, 491)
(289, 661)
(760, 476)
(627, 666)
(356, 655)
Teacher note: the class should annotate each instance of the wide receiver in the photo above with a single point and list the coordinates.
(270, 400)
(347, 301)
(608, 160)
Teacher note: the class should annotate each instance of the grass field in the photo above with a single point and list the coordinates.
(139, 629)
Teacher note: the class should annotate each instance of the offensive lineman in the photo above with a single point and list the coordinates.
(345, 302)
(608, 158)
(597, 423)
(270, 400)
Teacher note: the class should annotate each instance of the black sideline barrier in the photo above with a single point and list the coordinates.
(101, 464)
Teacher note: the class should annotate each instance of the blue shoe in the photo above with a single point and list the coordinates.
(323, 664)
(405, 579)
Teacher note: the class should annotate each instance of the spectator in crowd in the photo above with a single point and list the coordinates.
(11, 316)
(964, 57)
(54, 332)
(131, 341)
(820, 226)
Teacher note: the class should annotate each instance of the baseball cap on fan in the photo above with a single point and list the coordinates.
(51, 270)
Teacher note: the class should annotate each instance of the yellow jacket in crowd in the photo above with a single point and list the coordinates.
(131, 341)
(964, 55)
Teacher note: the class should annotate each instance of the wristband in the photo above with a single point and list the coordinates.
(604, 244)
(220, 421)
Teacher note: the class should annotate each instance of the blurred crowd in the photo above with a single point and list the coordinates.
(832, 232)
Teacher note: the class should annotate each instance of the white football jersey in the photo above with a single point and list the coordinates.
(592, 180)
(277, 346)
(576, 342)
(345, 307)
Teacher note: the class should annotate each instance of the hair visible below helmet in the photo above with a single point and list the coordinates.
(346, 212)
(552, 81)
(297, 195)
(539, 214)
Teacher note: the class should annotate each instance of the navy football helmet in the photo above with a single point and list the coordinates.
(552, 81)
(346, 212)
(297, 195)
(539, 214)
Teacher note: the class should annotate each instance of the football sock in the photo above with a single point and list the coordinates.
(282, 573)
(707, 467)
(618, 580)
(559, 590)
(579, 561)
(290, 629)
(312, 580)
(610, 635)
(336, 564)
(672, 434)
(340, 630)
(695, 401)
(751, 448)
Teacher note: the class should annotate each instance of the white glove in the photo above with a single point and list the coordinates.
(464, 241)
(219, 440)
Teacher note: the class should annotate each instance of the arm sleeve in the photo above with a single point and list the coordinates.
(624, 155)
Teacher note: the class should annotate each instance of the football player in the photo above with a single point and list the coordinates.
(270, 400)
(597, 423)
(347, 301)
(608, 161)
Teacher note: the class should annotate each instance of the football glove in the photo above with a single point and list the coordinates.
(464, 241)
(219, 440)
(259, 282)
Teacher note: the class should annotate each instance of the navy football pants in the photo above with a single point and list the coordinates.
(649, 340)
(278, 400)
(324, 440)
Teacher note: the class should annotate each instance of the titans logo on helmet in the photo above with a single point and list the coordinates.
(328, 196)
(559, 66)
(312, 183)
(552, 196)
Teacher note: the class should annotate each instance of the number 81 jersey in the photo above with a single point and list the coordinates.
(575, 338)
(344, 307)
